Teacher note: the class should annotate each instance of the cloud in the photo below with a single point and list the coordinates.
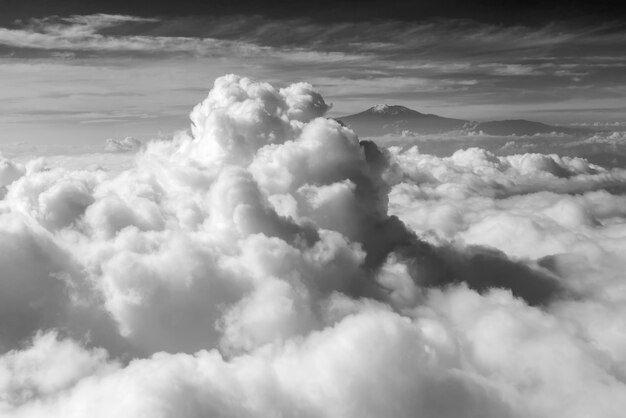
(9, 171)
(457, 68)
(270, 263)
(128, 144)
(462, 51)
(88, 34)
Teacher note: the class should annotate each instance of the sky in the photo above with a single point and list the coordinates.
(78, 73)
(186, 231)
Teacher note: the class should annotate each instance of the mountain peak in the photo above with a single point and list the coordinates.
(380, 108)
(389, 109)
(383, 119)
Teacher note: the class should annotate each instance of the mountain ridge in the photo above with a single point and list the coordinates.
(384, 119)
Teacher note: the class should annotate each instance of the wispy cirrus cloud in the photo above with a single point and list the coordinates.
(453, 67)
(85, 34)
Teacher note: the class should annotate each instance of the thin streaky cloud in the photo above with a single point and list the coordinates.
(464, 68)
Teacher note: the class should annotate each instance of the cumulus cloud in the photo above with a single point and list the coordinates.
(9, 172)
(271, 264)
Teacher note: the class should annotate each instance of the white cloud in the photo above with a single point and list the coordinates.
(254, 268)
(9, 171)
(83, 33)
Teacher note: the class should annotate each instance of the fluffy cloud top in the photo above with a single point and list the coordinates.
(270, 264)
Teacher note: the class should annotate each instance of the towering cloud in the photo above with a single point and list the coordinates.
(270, 264)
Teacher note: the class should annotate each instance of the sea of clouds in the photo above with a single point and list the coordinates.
(269, 264)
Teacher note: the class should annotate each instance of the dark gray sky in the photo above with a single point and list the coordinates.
(493, 11)
(74, 71)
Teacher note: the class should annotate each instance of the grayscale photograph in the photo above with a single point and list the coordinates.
(329, 209)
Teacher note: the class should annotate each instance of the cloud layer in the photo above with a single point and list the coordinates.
(271, 264)
(115, 71)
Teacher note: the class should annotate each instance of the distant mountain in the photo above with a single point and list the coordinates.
(384, 119)
(393, 119)
(520, 127)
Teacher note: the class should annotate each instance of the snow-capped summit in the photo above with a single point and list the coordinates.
(390, 110)
(380, 108)
(383, 119)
